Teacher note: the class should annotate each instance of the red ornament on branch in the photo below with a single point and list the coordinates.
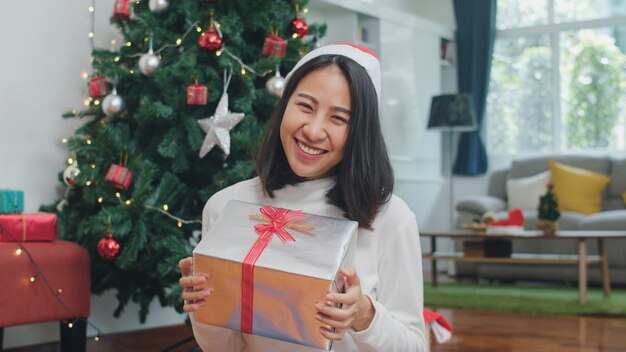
(98, 86)
(210, 40)
(121, 9)
(298, 27)
(274, 46)
(197, 94)
(108, 248)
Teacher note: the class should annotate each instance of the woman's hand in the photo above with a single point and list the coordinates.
(356, 312)
(192, 297)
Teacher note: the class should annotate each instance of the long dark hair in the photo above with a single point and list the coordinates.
(364, 178)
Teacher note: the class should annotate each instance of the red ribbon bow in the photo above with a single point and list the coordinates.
(278, 218)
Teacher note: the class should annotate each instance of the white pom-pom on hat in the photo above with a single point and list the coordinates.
(362, 55)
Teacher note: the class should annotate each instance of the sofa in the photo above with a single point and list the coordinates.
(610, 215)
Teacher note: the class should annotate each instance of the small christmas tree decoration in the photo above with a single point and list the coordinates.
(197, 94)
(298, 27)
(70, 173)
(158, 6)
(121, 9)
(217, 127)
(274, 46)
(148, 62)
(119, 176)
(276, 84)
(98, 86)
(548, 212)
(112, 104)
(210, 40)
(108, 248)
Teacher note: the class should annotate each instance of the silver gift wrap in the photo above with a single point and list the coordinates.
(289, 278)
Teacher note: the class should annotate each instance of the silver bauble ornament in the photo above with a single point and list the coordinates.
(148, 63)
(276, 84)
(158, 6)
(70, 174)
(112, 104)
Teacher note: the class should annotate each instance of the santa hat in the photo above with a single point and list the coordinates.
(440, 326)
(362, 55)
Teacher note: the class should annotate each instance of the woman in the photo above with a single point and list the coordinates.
(324, 153)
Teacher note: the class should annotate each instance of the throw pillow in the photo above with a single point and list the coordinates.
(524, 192)
(577, 189)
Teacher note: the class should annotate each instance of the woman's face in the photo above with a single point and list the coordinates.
(314, 129)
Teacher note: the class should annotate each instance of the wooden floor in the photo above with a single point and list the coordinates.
(473, 331)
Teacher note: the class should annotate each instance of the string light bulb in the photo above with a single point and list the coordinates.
(218, 53)
(131, 71)
(18, 251)
(90, 34)
(113, 41)
(88, 142)
(127, 202)
(96, 338)
(93, 166)
(86, 102)
(116, 59)
(180, 224)
(70, 325)
(294, 36)
(305, 10)
(179, 41)
(70, 161)
(88, 183)
(198, 29)
(84, 75)
(117, 194)
(91, 9)
(100, 199)
(165, 207)
(129, 43)
(243, 71)
(96, 102)
(59, 291)
(32, 279)
(64, 140)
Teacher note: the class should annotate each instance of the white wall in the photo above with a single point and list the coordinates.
(45, 49)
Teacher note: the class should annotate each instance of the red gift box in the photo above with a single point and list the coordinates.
(197, 94)
(274, 45)
(119, 176)
(98, 86)
(28, 227)
(121, 9)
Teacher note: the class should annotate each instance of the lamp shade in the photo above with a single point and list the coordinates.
(452, 112)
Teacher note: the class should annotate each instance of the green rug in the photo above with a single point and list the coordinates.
(528, 299)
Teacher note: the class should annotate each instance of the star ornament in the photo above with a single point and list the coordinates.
(217, 127)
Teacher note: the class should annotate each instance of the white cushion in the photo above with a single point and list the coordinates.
(524, 192)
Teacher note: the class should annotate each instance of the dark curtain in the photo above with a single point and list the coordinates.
(476, 22)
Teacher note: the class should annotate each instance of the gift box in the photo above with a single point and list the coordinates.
(98, 86)
(121, 9)
(197, 94)
(268, 267)
(119, 176)
(274, 45)
(11, 201)
(28, 227)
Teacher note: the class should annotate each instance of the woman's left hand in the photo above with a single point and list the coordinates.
(356, 312)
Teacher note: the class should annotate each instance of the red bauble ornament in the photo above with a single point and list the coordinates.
(108, 248)
(299, 27)
(210, 40)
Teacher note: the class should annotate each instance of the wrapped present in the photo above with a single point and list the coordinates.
(119, 176)
(274, 45)
(98, 87)
(11, 201)
(268, 268)
(28, 227)
(197, 94)
(121, 9)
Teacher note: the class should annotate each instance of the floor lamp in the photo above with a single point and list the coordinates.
(452, 113)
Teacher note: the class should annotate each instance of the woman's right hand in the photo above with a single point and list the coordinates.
(192, 297)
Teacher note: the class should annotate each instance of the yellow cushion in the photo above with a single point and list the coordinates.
(577, 189)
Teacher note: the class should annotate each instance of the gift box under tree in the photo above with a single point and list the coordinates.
(273, 296)
(28, 227)
(11, 201)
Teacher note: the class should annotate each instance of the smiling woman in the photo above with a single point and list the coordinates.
(324, 153)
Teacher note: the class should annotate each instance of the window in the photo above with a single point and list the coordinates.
(558, 77)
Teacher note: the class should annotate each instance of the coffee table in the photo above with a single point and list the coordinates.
(582, 259)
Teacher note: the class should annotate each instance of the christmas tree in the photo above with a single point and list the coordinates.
(548, 211)
(159, 137)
